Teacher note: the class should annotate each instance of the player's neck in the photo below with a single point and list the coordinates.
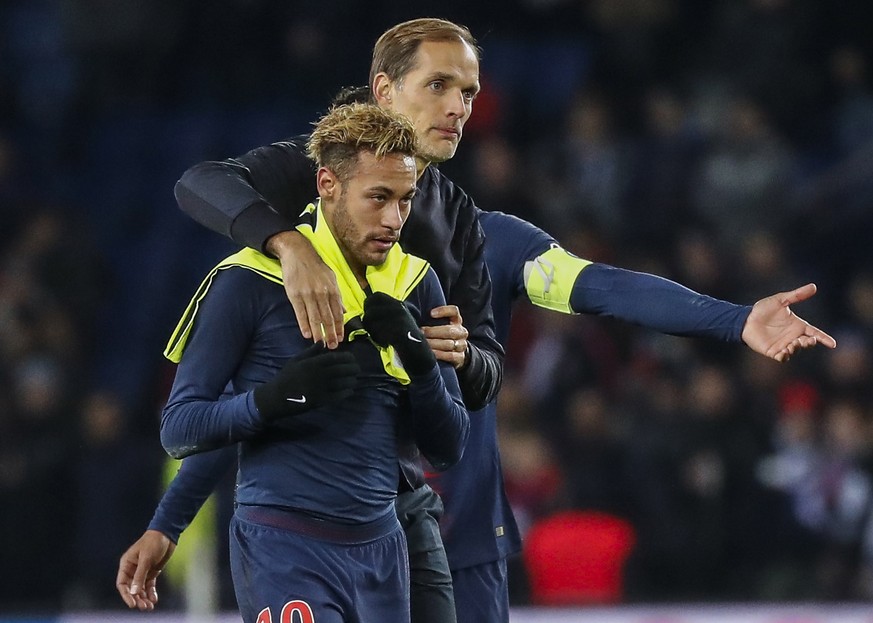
(420, 165)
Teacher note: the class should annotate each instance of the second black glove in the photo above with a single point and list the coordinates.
(313, 378)
(389, 322)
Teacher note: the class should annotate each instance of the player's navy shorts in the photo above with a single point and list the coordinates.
(289, 567)
(482, 593)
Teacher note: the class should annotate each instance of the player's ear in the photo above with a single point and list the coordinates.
(382, 87)
(327, 183)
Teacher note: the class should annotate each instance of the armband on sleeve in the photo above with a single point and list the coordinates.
(549, 278)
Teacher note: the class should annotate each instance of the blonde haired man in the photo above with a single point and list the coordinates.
(319, 431)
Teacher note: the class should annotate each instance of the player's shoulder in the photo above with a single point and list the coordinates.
(291, 149)
(295, 143)
(436, 189)
(239, 281)
(236, 295)
(428, 292)
(501, 225)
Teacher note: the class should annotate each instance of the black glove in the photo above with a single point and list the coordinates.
(315, 377)
(389, 322)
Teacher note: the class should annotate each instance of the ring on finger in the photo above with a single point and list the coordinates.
(454, 345)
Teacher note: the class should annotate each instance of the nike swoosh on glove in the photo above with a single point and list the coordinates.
(389, 322)
(313, 378)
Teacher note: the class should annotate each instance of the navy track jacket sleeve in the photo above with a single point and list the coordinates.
(656, 303)
(195, 481)
(444, 228)
(252, 197)
(482, 373)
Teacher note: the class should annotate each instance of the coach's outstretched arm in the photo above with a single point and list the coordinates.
(539, 269)
(769, 327)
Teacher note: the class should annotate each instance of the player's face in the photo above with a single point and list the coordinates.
(437, 96)
(366, 212)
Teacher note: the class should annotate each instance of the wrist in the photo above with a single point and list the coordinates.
(162, 533)
(284, 243)
(268, 403)
(256, 224)
(418, 361)
(420, 369)
(741, 325)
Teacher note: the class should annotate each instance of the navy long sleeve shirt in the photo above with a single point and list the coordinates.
(339, 461)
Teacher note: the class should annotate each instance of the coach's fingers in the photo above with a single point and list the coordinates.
(312, 289)
(450, 351)
(820, 337)
(798, 295)
(448, 341)
(451, 312)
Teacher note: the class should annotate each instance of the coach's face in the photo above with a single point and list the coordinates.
(436, 95)
(366, 211)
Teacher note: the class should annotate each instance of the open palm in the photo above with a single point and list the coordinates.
(775, 331)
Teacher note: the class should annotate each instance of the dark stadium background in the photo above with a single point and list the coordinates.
(725, 144)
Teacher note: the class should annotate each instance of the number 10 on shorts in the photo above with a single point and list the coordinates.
(301, 608)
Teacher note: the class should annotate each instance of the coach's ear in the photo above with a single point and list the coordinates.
(327, 183)
(382, 87)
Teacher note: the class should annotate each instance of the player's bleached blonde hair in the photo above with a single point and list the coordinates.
(346, 130)
(394, 52)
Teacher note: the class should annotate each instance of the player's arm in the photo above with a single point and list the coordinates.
(195, 419)
(254, 200)
(440, 421)
(142, 562)
(197, 478)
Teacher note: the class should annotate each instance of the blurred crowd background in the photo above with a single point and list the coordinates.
(725, 144)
